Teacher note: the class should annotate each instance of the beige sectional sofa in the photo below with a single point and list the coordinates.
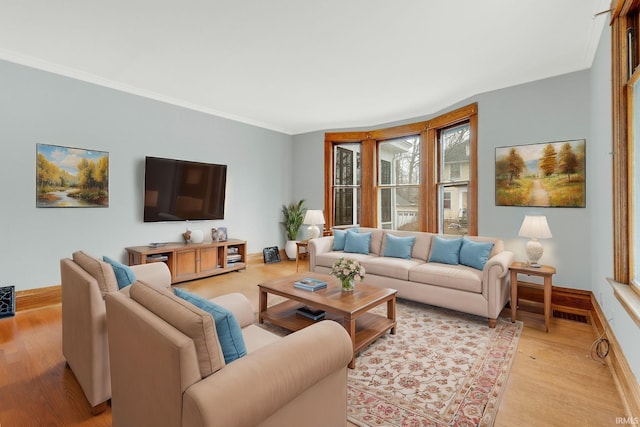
(482, 292)
(167, 367)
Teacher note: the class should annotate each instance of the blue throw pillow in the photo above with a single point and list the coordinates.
(227, 326)
(124, 274)
(357, 243)
(475, 254)
(446, 251)
(339, 238)
(399, 247)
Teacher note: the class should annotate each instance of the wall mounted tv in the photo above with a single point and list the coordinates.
(179, 190)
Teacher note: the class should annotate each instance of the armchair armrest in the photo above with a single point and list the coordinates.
(319, 246)
(153, 273)
(253, 388)
(239, 305)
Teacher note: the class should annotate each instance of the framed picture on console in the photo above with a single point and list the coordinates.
(68, 177)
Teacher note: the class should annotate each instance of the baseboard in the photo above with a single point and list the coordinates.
(623, 375)
(38, 298)
(566, 300)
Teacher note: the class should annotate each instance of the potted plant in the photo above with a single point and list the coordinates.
(293, 217)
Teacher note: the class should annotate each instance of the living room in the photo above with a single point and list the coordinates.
(267, 168)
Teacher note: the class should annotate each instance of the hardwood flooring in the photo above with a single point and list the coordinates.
(553, 381)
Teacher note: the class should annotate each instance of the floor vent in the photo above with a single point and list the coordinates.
(571, 316)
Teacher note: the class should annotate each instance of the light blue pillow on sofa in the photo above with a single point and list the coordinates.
(446, 251)
(357, 243)
(227, 326)
(399, 247)
(339, 238)
(124, 274)
(475, 254)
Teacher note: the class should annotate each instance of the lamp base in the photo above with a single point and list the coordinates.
(314, 232)
(534, 252)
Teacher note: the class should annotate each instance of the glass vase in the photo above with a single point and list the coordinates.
(348, 284)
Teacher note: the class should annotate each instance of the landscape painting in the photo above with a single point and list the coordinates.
(550, 174)
(71, 177)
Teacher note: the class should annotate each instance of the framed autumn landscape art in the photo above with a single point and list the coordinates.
(550, 174)
(71, 177)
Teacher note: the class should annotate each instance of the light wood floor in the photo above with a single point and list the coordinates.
(553, 381)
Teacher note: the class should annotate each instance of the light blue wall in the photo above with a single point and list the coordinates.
(40, 107)
(542, 111)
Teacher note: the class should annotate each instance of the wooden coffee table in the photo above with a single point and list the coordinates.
(349, 308)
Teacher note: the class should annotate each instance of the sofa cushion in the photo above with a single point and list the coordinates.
(390, 267)
(449, 276)
(357, 243)
(99, 270)
(339, 238)
(124, 274)
(227, 327)
(475, 254)
(192, 321)
(446, 251)
(328, 258)
(398, 247)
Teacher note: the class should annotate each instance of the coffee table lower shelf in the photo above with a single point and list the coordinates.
(368, 326)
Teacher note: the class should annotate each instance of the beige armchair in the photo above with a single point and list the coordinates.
(167, 368)
(85, 280)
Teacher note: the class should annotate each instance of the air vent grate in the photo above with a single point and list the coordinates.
(571, 316)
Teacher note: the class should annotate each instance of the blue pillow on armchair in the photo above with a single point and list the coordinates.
(227, 326)
(124, 274)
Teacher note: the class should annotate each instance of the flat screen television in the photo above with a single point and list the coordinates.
(179, 190)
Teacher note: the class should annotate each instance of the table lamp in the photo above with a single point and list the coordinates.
(313, 218)
(534, 227)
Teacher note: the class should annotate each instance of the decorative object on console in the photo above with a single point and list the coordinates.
(222, 234)
(69, 177)
(197, 236)
(313, 217)
(187, 236)
(347, 270)
(535, 227)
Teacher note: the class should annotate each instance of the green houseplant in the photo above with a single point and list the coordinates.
(293, 214)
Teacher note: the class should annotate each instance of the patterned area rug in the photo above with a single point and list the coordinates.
(442, 368)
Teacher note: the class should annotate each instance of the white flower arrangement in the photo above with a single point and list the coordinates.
(347, 269)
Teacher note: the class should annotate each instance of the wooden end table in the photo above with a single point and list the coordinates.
(303, 244)
(544, 271)
(351, 309)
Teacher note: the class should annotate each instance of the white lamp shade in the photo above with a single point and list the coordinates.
(313, 217)
(535, 227)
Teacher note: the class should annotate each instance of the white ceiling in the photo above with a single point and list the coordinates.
(300, 65)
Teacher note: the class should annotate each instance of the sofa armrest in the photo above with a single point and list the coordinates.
(253, 388)
(239, 305)
(319, 246)
(498, 265)
(153, 273)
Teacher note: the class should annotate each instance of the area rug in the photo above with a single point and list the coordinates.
(441, 368)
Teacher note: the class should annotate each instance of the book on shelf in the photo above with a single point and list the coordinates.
(311, 313)
(310, 284)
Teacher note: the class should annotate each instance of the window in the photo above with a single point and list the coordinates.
(346, 184)
(626, 123)
(421, 176)
(399, 190)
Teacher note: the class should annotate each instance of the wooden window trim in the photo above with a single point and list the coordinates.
(428, 190)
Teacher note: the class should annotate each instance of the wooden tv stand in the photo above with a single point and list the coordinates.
(188, 261)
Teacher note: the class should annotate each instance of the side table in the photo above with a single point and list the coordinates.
(544, 271)
(303, 244)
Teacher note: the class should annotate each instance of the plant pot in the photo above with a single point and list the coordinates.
(291, 249)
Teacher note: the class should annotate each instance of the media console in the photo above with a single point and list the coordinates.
(188, 261)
